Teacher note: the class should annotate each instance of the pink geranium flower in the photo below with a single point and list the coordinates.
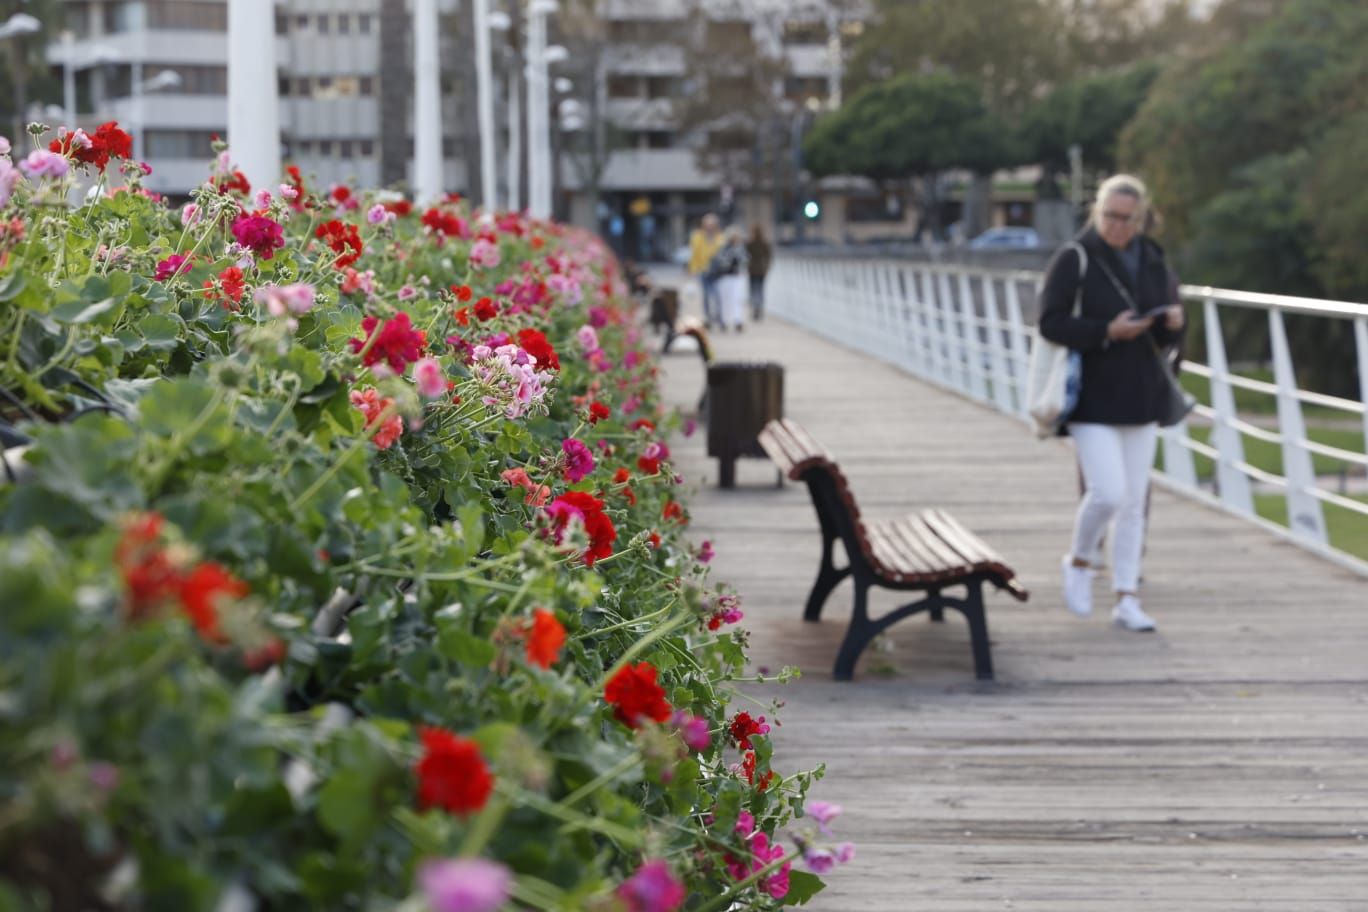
(42, 163)
(652, 889)
(465, 885)
(484, 254)
(427, 373)
(172, 265)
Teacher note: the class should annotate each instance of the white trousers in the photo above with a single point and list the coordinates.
(733, 290)
(1116, 460)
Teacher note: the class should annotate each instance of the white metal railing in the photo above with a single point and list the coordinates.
(965, 328)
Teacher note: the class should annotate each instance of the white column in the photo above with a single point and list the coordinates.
(253, 100)
(515, 139)
(429, 182)
(1361, 340)
(538, 119)
(484, 88)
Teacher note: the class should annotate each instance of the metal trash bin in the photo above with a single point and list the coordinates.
(742, 399)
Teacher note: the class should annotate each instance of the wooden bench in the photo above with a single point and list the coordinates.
(926, 552)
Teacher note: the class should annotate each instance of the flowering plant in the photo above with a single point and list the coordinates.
(321, 589)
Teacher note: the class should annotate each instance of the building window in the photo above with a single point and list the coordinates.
(660, 86)
(323, 24)
(325, 147)
(343, 24)
(623, 87)
(301, 23)
(874, 206)
(656, 139)
(367, 86)
(366, 147)
(193, 144)
(122, 17)
(194, 80)
(187, 15)
(283, 87)
(363, 23)
(810, 32)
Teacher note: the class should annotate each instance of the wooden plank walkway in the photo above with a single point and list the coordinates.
(1220, 764)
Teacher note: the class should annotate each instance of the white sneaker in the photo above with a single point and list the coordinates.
(1128, 614)
(1077, 587)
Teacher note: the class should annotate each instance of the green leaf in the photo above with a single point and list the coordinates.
(802, 887)
(161, 331)
(459, 646)
(78, 311)
(11, 285)
(175, 407)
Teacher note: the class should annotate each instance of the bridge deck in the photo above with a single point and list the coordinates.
(1219, 764)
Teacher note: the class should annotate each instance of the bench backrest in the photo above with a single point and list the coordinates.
(798, 454)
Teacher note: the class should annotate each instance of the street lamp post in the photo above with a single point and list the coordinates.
(428, 178)
(484, 92)
(253, 96)
(538, 113)
(16, 26)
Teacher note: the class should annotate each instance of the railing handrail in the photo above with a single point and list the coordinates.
(964, 327)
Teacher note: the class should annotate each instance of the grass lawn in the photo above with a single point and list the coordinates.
(1255, 402)
(1348, 530)
(1268, 456)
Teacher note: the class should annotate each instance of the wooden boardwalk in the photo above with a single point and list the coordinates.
(1220, 764)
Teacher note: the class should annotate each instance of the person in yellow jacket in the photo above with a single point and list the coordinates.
(704, 243)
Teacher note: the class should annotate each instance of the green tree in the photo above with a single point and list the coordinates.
(910, 129)
(1090, 111)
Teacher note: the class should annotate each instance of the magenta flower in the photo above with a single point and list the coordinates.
(693, 730)
(427, 373)
(173, 265)
(588, 338)
(465, 885)
(845, 852)
(819, 861)
(263, 198)
(42, 163)
(579, 461)
(104, 776)
(259, 234)
(9, 176)
(379, 215)
(190, 214)
(823, 812)
(652, 889)
(705, 552)
(407, 293)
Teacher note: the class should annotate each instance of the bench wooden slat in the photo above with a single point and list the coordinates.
(893, 553)
(927, 564)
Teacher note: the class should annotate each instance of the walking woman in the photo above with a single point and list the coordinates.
(729, 265)
(1128, 312)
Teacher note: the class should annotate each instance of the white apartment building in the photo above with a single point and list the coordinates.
(652, 191)
(160, 67)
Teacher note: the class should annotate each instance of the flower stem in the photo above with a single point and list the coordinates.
(721, 902)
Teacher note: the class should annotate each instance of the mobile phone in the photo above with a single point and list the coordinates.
(1156, 313)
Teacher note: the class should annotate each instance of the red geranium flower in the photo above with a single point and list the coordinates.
(544, 639)
(534, 342)
(234, 183)
(462, 293)
(444, 223)
(743, 727)
(451, 774)
(486, 309)
(589, 510)
(634, 695)
(597, 412)
(147, 571)
(107, 142)
(398, 343)
(200, 593)
(400, 208)
(672, 510)
(341, 239)
(301, 199)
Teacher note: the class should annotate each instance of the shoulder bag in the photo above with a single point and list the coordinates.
(1054, 373)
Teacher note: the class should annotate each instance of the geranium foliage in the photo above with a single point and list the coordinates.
(345, 568)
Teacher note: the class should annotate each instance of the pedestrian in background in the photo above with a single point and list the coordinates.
(729, 266)
(1128, 312)
(758, 250)
(704, 243)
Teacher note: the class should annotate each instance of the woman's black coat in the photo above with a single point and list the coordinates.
(1122, 380)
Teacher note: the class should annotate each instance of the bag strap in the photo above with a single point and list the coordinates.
(1082, 274)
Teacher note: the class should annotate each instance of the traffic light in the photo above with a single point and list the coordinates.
(812, 210)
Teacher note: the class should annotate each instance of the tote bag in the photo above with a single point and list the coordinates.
(1054, 373)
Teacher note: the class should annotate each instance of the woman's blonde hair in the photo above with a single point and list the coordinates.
(1127, 185)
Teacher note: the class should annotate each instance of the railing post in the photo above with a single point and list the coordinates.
(1361, 340)
(945, 309)
(1304, 514)
(1232, 483)
(911, 357)
(973, 339)
(1001, 394)
(1020, 356)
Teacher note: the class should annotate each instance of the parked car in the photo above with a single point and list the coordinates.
(1006, 239)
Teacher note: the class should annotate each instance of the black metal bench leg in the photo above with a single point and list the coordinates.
(977, 617)
(938, 615)
(828, 578)
(858, 634)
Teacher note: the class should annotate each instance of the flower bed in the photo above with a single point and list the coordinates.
(348, 569)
